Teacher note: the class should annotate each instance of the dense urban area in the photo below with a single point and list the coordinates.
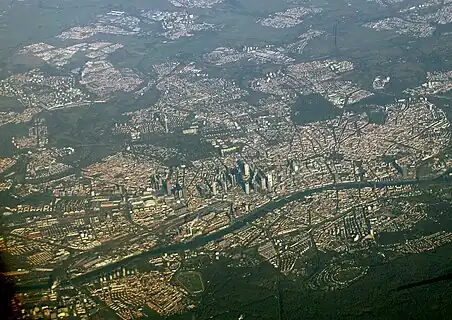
(205, 159)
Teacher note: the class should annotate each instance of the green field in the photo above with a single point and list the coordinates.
(191, 281)
(8, 104)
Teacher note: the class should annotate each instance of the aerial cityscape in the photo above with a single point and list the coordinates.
(226, 159)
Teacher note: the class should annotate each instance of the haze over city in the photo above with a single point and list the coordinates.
(226, 159)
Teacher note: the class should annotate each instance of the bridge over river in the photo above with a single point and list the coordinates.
(258, 212)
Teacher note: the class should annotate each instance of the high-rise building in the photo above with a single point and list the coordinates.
(168, 187)
(214, 188)
(233, 179)
(246, 169)
(165, 123)
(224, 186)
(178, 191)
(269, 181)
(202, 189)
(254, 177)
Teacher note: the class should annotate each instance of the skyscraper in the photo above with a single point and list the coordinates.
(168, 187)
(247, 187)
(269, 181)
(233, 179)
(246, 169)
(224, 186)
(263, 184)
(165, 123)
(214, 188)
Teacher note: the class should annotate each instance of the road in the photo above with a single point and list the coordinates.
(259, 212)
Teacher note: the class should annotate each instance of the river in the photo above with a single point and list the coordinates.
(259, 212)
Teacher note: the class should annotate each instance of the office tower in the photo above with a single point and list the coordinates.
(178, 191)
(165, 123)
(246, 170)
(269, 181)
(224, 186)
(168, 187)
(214, 188)
(233, 179)
(254, 177)
(202, 189)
